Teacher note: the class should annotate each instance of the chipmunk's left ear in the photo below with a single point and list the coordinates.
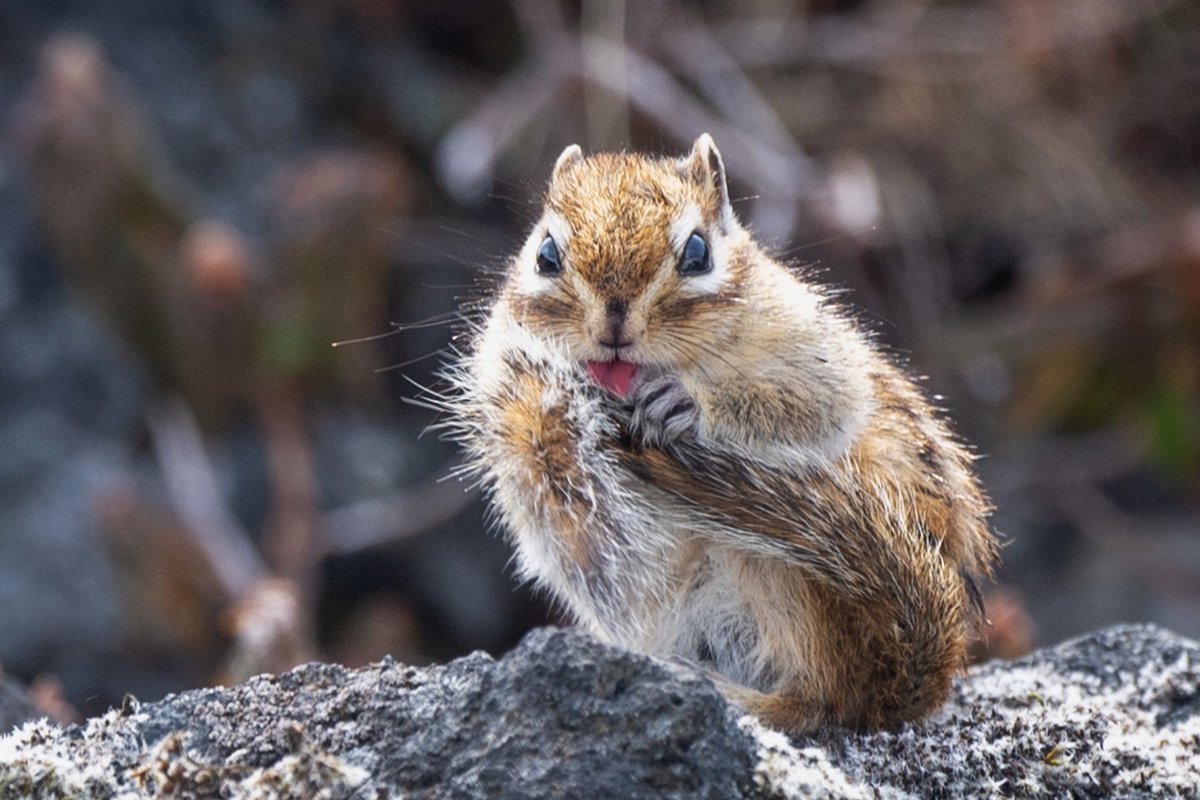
(705, 167)
(569, 156)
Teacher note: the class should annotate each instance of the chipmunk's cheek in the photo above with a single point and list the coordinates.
(615, 376)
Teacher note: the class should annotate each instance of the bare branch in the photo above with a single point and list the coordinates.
(400, 516)
(192, 486)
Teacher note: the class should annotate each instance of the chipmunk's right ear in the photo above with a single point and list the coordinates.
(705, 166)
(570, 156)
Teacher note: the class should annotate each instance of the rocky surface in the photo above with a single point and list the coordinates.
(1113, 714)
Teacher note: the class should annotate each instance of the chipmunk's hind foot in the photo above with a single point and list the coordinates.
(794, 714)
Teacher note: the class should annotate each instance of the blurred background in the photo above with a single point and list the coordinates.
(197, 199)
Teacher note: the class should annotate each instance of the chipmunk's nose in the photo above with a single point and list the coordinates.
(615, 313)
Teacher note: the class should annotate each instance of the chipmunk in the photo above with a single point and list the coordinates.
(704, 458)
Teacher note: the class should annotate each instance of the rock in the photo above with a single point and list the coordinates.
(1112, 714)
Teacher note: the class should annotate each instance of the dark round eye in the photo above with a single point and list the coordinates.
(547, 258)
(695, 259)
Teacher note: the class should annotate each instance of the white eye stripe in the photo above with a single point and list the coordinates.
(711, 282)
(686, 222)
(689, 221)
(528, 279)
(557, 229)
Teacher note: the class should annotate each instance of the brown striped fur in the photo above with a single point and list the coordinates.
(812, 535)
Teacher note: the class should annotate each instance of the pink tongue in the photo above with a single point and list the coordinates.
(612, 375)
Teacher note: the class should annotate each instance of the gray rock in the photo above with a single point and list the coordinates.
(1113, 714)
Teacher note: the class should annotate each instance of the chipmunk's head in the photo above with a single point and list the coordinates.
(634, 262)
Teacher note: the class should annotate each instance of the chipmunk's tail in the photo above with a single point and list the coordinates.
(890, 597)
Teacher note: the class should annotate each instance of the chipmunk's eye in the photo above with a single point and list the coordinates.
(547, 258)
(695, 259)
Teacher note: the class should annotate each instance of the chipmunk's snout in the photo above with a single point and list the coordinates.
(613, 330)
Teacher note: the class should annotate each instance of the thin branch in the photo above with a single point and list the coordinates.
(192, 486)
(658, 95)
(728, 88)
(291, 539)
(606, 113)
(400, 516)
(466, 157)
(869, 41)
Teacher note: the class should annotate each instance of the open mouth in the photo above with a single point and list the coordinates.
(616, 376)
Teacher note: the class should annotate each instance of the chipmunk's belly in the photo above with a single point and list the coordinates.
(740, 616)
(716, 608)
(640, 582)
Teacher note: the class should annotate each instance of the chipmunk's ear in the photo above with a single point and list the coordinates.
(705, 167)
(570, 156)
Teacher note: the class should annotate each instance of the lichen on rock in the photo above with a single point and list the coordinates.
(1113, 714)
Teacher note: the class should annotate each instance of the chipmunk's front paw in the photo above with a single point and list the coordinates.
(663, 412)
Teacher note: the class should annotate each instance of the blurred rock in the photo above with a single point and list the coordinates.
(15, 705)
(69, 412)
(1113, 714)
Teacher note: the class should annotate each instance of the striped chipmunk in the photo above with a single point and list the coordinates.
(705, 459)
